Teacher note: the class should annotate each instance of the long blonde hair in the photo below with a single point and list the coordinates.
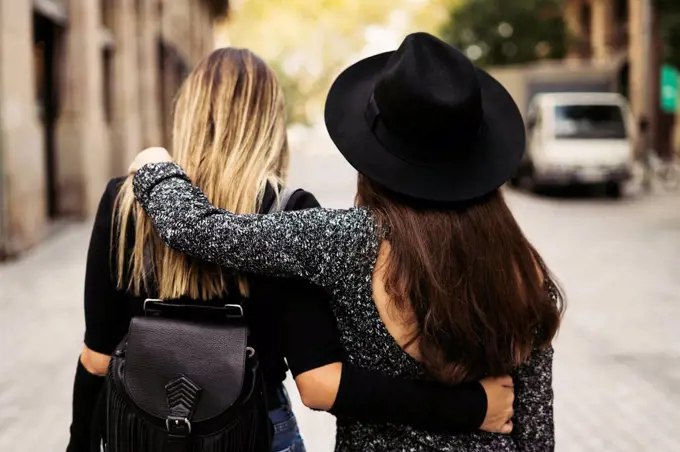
(229, 135)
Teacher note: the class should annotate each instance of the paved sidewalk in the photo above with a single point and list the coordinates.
(617, 362)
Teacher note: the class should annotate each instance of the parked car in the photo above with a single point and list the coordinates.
(578, 138)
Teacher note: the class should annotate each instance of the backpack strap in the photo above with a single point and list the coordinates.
(281, 201)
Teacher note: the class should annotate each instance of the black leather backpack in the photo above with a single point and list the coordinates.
(185, 380)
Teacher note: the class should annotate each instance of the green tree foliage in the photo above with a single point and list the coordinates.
(502, 32)
(308, 42)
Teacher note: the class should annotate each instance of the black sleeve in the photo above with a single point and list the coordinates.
(105, 314)
(311, 337)
(105, 322)
(86, 392)
(312, 340)
(371, 396)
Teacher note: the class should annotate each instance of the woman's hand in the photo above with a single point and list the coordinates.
(149, 155)
(500, 395)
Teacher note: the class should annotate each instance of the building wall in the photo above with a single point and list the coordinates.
(594, 28)
(614, 30)
(75, 107)
(21, 162)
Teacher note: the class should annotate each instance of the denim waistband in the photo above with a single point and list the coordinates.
(277, 397)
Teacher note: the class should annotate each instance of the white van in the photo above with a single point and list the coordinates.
(578, 138)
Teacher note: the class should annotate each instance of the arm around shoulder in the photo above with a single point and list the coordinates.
(345, 390)
(304, 243)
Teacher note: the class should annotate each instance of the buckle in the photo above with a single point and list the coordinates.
(178, 426)
(150, 301)
(236, 311)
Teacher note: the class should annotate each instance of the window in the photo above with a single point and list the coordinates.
(107, 91)
(589, 122)
(106, 14)
(107, 61)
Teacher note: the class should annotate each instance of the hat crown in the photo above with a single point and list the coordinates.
(425, 122)
(428, 94)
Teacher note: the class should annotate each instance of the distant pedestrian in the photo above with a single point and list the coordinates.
(431, 275)
(645, 153)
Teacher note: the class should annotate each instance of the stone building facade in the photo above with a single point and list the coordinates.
(85, 85)
(612, 45)
(606, 30)
(623, 34)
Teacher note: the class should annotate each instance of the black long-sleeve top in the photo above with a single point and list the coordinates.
(288, 318)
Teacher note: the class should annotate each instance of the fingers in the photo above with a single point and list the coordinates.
(502, 423)
(135, 165)
(506, 381)
(501, 397)
(507, 428)
(149, 155)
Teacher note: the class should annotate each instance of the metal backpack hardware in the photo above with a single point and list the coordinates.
(185, 380)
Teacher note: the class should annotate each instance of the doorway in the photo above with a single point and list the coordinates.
(46, 36)
(624, 79)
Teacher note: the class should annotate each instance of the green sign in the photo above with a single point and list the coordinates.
(669, 88)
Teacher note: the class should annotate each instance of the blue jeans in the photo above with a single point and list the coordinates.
(286, 433)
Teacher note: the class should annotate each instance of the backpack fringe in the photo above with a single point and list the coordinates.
(127, 431)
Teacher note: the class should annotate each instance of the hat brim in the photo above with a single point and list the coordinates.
(494, 160)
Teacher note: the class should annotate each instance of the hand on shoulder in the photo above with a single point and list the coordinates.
(149, 155)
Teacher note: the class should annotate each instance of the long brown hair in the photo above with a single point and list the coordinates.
(475, 285)
(229, 134)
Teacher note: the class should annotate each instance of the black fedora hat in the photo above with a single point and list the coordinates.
(423, 121)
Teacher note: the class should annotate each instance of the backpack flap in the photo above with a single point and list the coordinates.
(181, 370)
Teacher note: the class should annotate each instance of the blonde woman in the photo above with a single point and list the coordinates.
(229, 134)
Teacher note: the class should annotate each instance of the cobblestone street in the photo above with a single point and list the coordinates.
(617, 361)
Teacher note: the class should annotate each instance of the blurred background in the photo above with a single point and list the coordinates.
(86, 84)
